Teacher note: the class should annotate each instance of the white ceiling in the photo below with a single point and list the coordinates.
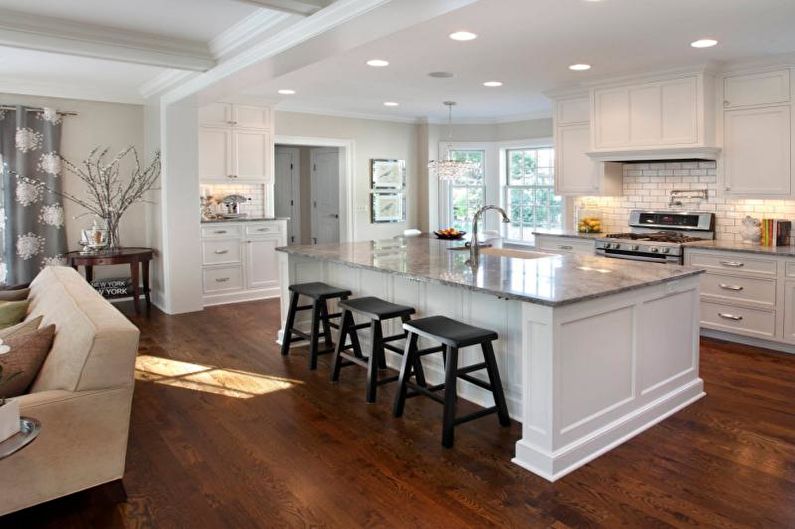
(528, 45)
(198, 20)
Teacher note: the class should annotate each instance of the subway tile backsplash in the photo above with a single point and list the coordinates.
(255, 207)
(649, 186)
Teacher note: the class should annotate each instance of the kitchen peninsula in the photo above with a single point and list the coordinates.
(592, 351)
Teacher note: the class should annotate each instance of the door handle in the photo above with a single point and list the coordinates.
(730, 316)
(736, 288)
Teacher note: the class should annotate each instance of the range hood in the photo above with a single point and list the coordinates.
(656, 154)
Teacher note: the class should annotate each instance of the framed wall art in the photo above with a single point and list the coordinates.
(387, 207)
(387, 174)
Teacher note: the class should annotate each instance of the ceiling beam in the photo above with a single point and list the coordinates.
(296, 7)
(21, 30)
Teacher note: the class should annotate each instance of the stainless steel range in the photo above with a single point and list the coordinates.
(657, 236)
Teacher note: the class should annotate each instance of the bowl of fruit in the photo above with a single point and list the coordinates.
(450, 234)
(589, 225)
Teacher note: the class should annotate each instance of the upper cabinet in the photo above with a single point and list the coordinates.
(576, 173)
(757, 135)
(664, 114)
(235, 143)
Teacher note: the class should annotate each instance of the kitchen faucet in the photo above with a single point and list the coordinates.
(474, 246)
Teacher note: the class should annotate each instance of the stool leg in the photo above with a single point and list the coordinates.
(450, 378)
(325, 319)
(314, 333)
(374, 362)
(288, 325)
(496, 384)
(419, 373)
(405, 374)
(341, 339)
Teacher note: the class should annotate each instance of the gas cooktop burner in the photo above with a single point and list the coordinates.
(660, 236)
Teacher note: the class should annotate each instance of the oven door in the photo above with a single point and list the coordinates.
(639, 256)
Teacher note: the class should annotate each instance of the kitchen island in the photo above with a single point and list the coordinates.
(592, 351)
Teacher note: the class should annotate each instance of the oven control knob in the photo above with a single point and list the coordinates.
(654, 249)
(635, 248)
(616, 246)
(666, 250)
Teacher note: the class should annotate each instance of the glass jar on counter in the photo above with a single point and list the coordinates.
(588, 220)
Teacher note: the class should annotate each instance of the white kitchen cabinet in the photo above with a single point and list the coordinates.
(251, 155)
(561, 244)
(261, 263)
(216, 115)
(251, 117)
(789, 311)
(757, 151)
(760, 88)
(240, 261)
(571, 110)
(648, 115)
(215, 153)
(576, 173)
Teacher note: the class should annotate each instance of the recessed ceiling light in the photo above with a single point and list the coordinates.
(391, 104)
(580, 67)
(704, 43)
(286, 92)
(440, 75)
(492, 84)
(377, 63)
(463, 35)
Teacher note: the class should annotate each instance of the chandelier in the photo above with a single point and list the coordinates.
(448, 168)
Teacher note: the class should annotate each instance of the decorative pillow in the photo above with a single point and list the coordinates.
(14, 295)
(21, 328)
(24, 354)
(12, 312)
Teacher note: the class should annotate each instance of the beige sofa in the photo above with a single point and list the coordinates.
(82, 395)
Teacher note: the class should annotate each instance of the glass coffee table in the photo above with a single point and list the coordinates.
(28, 431)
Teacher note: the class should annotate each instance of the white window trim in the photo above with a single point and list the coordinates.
(445, 187)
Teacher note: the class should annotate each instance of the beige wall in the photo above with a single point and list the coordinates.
(373, 139)
(109, 124)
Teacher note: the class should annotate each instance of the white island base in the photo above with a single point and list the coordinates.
(581, 377)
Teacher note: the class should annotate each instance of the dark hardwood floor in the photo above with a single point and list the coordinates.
(263, 442)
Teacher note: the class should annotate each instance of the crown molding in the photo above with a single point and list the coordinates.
(164, 81)
(295, 7)
(67, 91)
(498, 120)
(244, 32)
(55, 35)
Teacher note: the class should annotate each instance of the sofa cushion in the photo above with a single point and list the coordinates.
(12, 312)
(14, 295)
(23, 359)
(24, 327)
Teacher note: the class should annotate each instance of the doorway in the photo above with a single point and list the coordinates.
(307, 190)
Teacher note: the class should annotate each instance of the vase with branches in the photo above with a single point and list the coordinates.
(107, 193)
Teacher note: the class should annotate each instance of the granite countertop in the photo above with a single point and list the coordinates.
(733, 246)
(244, 219)
(552, 280)
(574, 234)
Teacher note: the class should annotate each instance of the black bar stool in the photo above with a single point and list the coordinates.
(319, 293)
(376, 310)
(453, 335)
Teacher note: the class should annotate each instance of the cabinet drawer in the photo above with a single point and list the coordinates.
(733, 262)
(222, 279)
(263, 229)
(221, 251)
(739, 288)
(221, 230)
(741, 320)
(790, 268)
(564, 244)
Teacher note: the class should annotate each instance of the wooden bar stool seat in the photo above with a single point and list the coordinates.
(453, 335)
(376, 310)
(320, 294)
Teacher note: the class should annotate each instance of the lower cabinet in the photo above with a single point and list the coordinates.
(789, 310)
(561, 244)
(239, 261)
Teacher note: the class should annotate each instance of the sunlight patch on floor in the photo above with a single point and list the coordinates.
(208, 379)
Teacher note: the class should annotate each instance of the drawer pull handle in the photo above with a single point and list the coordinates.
(566, 247)
(220, 232)
(221, 279)
(264, 229)
(729, 316)
(220, 252)
(736, 288)
(733, 264)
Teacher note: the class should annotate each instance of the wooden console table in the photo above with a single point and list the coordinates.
(137, 258)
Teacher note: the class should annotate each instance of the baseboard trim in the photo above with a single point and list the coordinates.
(748, 340)
(240, 296)
(554, 465)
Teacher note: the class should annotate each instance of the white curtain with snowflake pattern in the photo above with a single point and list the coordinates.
(33, 232)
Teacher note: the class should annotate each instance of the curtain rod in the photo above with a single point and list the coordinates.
(31, 109)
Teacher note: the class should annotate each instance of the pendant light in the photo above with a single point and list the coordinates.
(449, 169)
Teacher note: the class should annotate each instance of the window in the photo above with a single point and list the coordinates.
(467, 194)
(530, 192)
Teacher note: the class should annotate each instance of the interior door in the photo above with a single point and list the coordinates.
(325, 195)
(287, 191)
